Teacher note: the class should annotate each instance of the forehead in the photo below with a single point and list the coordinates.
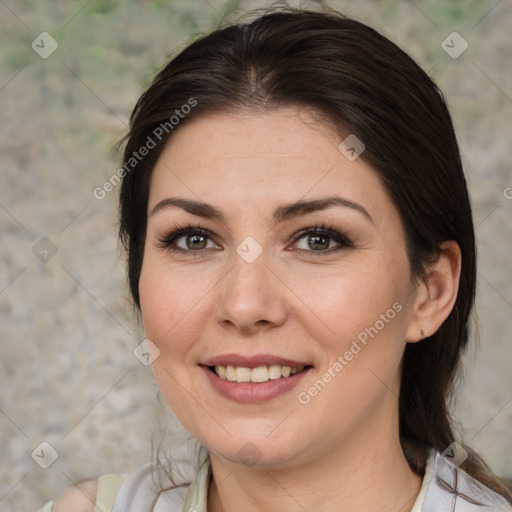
(257, 159)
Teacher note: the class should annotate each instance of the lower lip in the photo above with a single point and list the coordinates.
(249, 392)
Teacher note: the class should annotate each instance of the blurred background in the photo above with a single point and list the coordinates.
(70, 73)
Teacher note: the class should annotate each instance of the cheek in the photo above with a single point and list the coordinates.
(340, 304)
(171, 314)
(170, 306)
(363, 312)
(362, 346)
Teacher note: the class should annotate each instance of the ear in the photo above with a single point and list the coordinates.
(435, 297)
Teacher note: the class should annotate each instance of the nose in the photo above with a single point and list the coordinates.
(251, 297)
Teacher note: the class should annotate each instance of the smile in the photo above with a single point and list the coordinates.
(255, 375)
(253, 379)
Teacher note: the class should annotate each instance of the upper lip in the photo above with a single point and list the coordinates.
(252, 361)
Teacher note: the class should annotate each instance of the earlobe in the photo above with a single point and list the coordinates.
(436, 295)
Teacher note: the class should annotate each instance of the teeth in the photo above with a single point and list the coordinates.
(242, 374)
(259, 374)
(274, 372)
(230, 373)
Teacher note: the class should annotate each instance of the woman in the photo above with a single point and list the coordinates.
(300, 245)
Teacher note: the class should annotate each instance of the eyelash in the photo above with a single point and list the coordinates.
(176, 232)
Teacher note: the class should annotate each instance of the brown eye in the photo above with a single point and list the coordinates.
(192, 240)
(318, 242)
(196, 241)
(321, 240)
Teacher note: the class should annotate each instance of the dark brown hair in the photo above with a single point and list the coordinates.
(362, 84)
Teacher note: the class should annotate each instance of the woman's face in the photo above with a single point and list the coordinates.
(252, 291)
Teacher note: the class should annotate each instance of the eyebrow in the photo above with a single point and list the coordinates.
(281, 214)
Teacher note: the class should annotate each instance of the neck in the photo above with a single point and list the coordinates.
(365, 474)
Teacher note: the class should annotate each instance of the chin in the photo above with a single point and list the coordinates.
(257, 451)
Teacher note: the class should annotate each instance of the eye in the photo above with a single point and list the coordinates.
(320, 240)
(315, 241)
(192, 240)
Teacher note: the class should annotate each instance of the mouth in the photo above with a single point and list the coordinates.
(253, 379)
(257, 375)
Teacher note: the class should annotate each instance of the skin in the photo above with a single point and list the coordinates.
(341, 450)
(80, 497)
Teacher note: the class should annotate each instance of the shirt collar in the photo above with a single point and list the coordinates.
(197, 495)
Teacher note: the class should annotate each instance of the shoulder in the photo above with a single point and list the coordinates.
(80, 497)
